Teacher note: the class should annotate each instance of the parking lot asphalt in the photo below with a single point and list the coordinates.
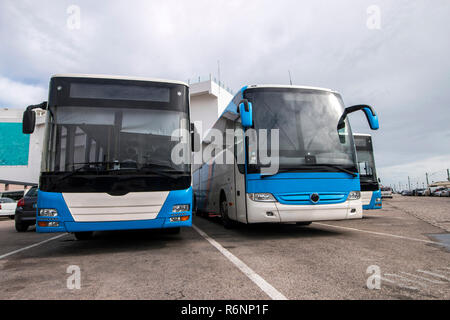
(327, 260)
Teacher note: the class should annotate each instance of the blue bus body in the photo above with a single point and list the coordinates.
(313, 191)
(66, 222)
(106, 163)
(375, 201)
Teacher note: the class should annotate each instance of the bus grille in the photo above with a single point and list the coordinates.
(305, 198)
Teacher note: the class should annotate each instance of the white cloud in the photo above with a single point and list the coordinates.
(401, 69)
(436, 167)
(19, 95)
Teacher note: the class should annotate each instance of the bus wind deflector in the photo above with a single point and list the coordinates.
(371, 116)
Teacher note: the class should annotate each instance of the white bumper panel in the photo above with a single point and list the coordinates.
(101, 207)
(7, 212)
(366, 197)
(257, 211)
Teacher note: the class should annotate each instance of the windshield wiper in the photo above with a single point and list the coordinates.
(310, 168)
(85, 166)
(168, 171)
(288, 169)
(353, 174)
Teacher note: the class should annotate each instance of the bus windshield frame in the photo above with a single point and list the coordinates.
(307, 121)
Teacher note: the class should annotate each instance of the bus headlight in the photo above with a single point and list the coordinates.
(378, 200)
(354, 195)
(48, 212)
(181, 208)
(262, 197)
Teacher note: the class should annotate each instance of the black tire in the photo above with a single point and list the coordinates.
(226, 221)
(11, 217)
(194, 207)
(87, 235)
(303, 223)
(21, 227)
(176, 230)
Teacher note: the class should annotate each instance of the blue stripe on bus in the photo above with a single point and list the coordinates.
(292, 187)
(373, 203)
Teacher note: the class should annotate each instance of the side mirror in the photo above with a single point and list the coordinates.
(371, 116)
(29, 117)
(246, 112)
(28, 121)
(195, 139)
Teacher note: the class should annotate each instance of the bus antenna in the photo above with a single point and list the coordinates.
(290, 78)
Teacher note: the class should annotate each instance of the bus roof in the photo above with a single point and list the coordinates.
(287, 86)
(362, 134)
(103, 76)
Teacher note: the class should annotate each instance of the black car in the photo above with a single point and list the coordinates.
(26, 210)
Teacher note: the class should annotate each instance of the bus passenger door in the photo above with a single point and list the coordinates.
(239, 173)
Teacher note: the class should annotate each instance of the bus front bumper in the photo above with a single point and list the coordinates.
(64, 226)
(263, 212)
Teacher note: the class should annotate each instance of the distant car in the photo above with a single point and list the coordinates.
(444, 192)
(26, 210)
(437, 192)
(7, 207)
(407, 193)
(386, 192)
(421, 192)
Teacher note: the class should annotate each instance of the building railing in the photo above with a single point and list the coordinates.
(210, 77)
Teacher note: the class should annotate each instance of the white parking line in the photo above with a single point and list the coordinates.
(423, 278)
(273, 293)
(406, 279)
(398, 284)
(433, 274)
(379, 233)
(32, 246)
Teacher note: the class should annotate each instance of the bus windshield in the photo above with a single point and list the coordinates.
(116, 135)
(307, 121)
(366, 161)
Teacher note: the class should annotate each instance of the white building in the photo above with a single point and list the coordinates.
(208, 100)
(20, 155)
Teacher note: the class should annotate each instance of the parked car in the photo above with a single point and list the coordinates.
(407, 193)
(444, 192)
(437, 192)
(419, 192)
(7, 207)
(26, 210)
(386, 192)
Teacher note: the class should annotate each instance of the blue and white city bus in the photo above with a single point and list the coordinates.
(370, 187)
(107, 162)
(317, 177)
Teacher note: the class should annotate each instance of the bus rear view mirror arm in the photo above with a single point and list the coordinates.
(246, 112)
(371, 116)
(29, 117)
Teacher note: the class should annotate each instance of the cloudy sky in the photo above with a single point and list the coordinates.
(393, 55)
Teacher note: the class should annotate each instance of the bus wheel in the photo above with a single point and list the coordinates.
(84, 235)
(172, 230)
(227, 223)
(303, 223)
